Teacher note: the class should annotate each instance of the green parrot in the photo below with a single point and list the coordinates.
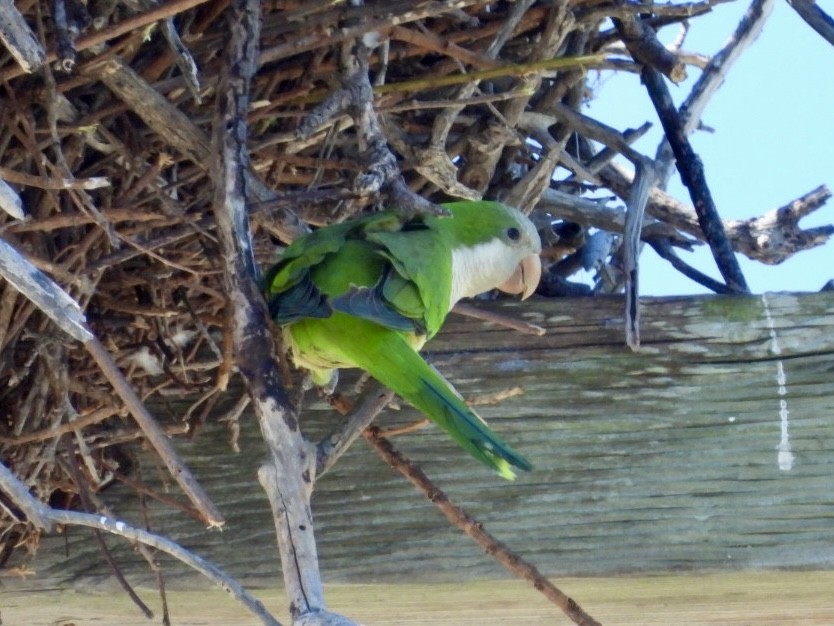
(369, 292)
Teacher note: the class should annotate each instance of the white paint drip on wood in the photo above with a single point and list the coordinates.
(784, 455)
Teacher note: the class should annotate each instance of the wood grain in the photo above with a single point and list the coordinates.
(662, 460)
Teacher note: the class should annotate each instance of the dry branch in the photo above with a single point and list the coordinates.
(45, 517)
(288, 474)
(460, 518)
(815, 17)
(19, 39)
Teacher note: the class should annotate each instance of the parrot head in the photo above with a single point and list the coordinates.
(496, 247)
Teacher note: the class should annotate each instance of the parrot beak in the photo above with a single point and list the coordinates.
(526, 277)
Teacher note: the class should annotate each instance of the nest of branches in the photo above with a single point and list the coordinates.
(105, 161)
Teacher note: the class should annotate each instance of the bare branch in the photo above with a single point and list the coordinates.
(336, 444)
(470, 310)
(469, 525)
(289, 473)
(692, 173)
(815, 17)
(770, 238)
(645, 48)
(19, 39)
(713, 76)
(44, 516)
(643, 183)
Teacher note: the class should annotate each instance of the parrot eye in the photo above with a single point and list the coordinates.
(514, 234)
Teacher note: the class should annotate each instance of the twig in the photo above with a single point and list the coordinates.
(21, 178)
(19, 39)
(713, 76)
(143, 491)
(595, 130)
(94, 417)
(396, 431)
(770, 238)
(496, 397)
(645, 179)
(815, 17)
(156, 437)
(65, 46)
(470, 310)
(608, 154)
(153, 563)
(84, 494)
(45, 516)
(692, 173)
(185, 62)
(469, 525)
(664, 250)
(584, 62)
(432, 42)
(332, 447)
(645, 48)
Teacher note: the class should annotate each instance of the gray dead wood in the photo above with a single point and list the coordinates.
(45, 517)
(289, 473)
(19, 39)
(770, 238)
(713, 76)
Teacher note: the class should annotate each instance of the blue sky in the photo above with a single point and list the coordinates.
(773, 141)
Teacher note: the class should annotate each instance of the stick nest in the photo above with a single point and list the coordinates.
(107, 145)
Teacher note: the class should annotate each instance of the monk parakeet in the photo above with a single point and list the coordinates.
(369, 292)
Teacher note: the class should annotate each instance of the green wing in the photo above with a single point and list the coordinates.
(422, 280)
(381, 268)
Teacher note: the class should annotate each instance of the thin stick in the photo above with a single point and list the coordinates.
(469, 310)
(644, 179)
(94, 417)
(472, 527)
(815, 17)
(135, 23)
(86, 501)
(156, 437)
(692, 173)
(663, 249)
(336, 444)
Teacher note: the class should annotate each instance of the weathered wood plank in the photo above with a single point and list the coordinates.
(711, 448)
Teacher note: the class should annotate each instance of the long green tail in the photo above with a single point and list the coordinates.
(394, 363)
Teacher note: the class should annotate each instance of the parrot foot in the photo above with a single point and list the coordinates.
(326, 387)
